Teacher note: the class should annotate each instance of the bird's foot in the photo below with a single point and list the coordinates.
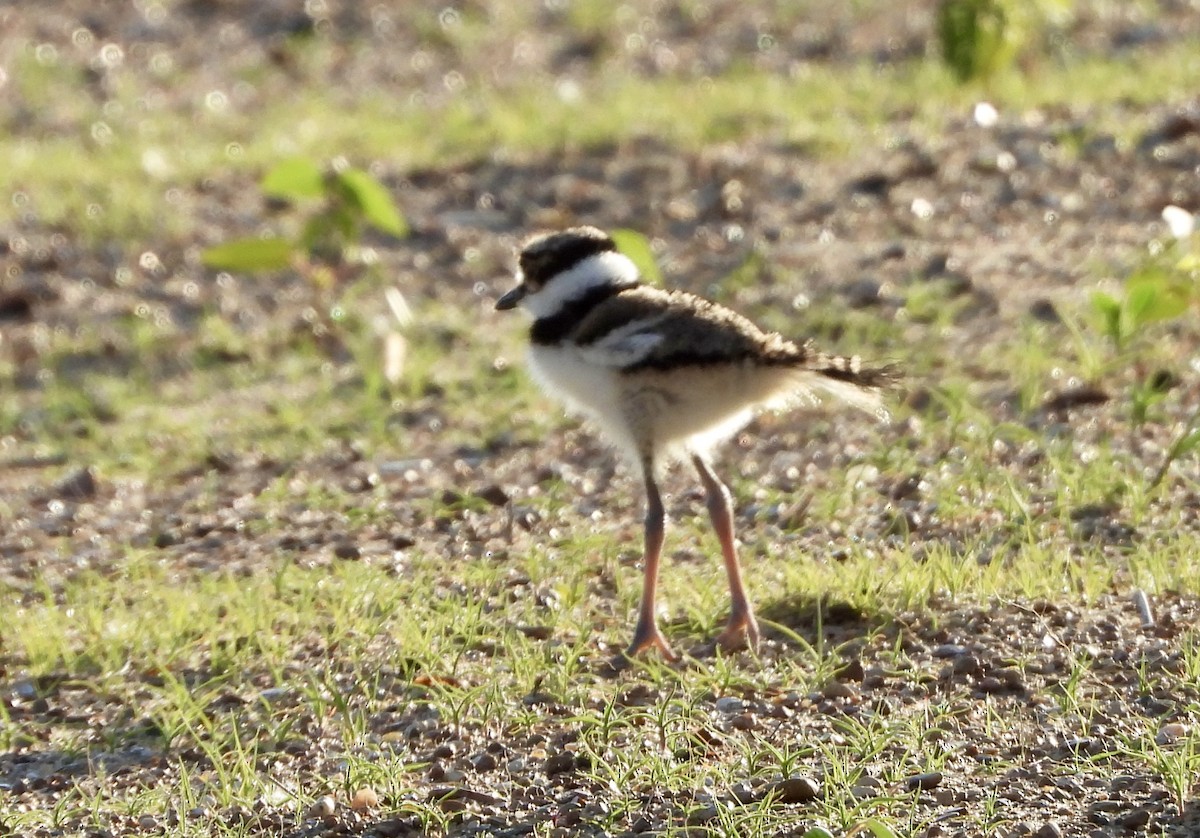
(646, 637)
(740, 633)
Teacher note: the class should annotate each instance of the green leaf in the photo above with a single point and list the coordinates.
(637, 247)
(1186, 444)
(877, 828)
(975, 36)
(250, 255)
(1109, 309)
(298, 177)
(1150, 297)
(374, 201)
(817, 832)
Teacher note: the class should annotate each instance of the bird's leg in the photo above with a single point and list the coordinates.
(647, 633)
(742, 629)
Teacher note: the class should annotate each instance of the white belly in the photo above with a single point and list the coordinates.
(584, 388)
(673, 414)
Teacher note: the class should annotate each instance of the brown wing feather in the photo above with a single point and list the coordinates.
(694, 331)
(698, 332)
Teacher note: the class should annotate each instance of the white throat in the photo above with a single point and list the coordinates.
(597, 271)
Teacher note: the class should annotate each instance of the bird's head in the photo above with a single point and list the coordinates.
(557, 268)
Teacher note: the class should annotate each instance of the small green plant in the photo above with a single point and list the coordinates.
(342, 202)
(637, 247)
(980, 38)
(976, 37)
(1162, 289)
(1155, 292)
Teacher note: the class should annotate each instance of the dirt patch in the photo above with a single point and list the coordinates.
(993, 227)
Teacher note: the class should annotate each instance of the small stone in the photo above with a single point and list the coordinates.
(852, 671)
(323, 807)
(1170, 732)
(795, 790)
(1012, 678)
(1044, 311)
(743, 721)
(558, 763)
(730, 704)
(839, 689)
(949, 650)
(1049, 830)
(743, 794)
(484, 762)
(494, 494)
(25, 690)
(346, 550)
(924, 782)
(985, 114)
(148, 823)
(967, 665)
(991, 684)
(536, 632)
(364, 798)
(79, 485)
(863, 293)
(945, 797)
(1135, 819)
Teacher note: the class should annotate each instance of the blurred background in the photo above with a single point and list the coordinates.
(290, 544)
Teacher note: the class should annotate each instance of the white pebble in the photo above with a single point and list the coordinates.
(986, 114)
(1180, 222)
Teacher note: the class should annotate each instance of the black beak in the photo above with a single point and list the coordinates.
(511, 299)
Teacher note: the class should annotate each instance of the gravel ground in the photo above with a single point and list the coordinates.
(1010, 225)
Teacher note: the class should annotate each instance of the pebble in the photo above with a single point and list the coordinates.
(1170, 732)
(839, 689)
(949, 650)
(494, 494)
(1012, 677)
(991, 684)
(743, 721)
(743, 794)
(364, 798)
(852, 671)
(80, 485)
(967, 665)
(1135, 819)
(484, 762)
(730, 704)
(795, 790)
(1049, 830)
(347, 551)
(924, 782)
(323, 807)
(558, 763)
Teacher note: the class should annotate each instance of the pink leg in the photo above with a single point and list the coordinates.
(742, 629)
(647, 634)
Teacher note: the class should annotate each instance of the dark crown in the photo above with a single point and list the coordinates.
(550, 254)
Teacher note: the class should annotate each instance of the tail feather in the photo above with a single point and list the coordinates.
(851, 370)
(848, 379)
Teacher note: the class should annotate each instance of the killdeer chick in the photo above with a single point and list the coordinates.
(667, 376)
